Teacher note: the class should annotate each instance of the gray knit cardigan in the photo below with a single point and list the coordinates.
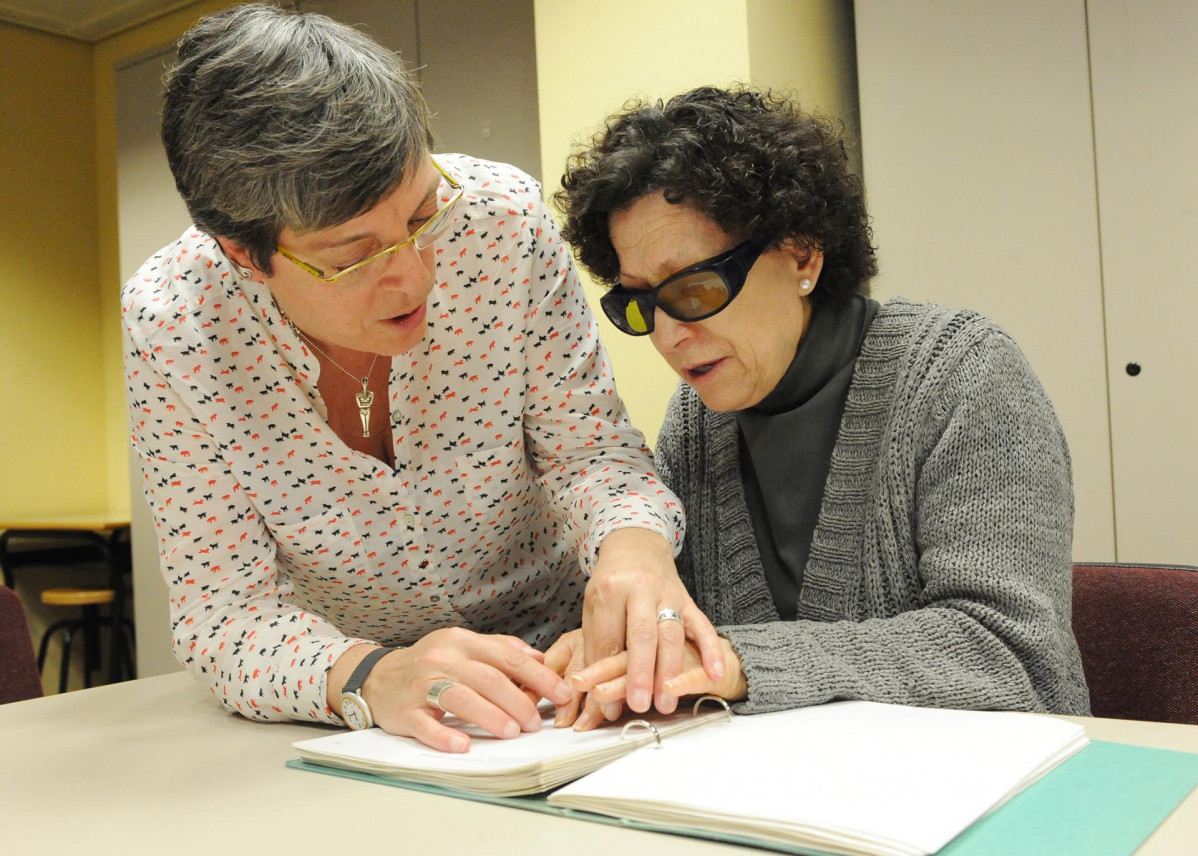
(940, 568)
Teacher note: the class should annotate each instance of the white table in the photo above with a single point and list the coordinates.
(155, 766)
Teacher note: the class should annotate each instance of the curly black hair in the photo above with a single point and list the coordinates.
(749, 160)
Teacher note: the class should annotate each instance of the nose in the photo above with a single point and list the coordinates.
(407, 265)
(668, 333)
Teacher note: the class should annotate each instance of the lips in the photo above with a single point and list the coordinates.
(414, 316)
(698, 371)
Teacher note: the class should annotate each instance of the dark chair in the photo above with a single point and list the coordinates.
(1137, 629)
(19, 678)
(108, 546)
(90, 623)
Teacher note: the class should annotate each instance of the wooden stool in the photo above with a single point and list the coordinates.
(90, 600)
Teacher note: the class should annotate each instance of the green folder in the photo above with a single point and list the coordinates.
(1104, 801)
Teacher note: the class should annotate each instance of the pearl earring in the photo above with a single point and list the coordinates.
(244, 271)
(804, 285)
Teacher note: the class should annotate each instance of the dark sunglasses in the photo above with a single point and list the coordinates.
(692, 294)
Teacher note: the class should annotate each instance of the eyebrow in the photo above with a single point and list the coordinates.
(353, 239)
(670, 264)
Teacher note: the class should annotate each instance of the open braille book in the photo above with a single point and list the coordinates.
(848, 777)
(529, 764)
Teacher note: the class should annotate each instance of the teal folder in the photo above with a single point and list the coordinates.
(1104, 801)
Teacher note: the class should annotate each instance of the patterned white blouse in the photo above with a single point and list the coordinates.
(282, 547)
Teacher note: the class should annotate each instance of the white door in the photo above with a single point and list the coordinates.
(979, 172)
(1144, 68)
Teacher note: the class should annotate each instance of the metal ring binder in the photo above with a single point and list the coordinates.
(717, 700)
(643, 724)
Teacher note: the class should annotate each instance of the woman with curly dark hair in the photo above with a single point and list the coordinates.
(879, 497)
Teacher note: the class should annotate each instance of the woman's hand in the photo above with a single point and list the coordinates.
(497, 683)
(606, 681)
(634, 579)
(567, 658)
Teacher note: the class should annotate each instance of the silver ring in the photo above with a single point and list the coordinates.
(433, 699)
(668, 615)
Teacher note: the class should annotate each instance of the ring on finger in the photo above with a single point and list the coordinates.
(433, 698)
(668, 614)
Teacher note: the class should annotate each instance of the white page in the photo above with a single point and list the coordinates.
(487, 754)
(882, 772)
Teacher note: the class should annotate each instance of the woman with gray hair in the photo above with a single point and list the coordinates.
(377, 429)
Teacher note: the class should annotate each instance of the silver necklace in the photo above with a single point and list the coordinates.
(365, 398)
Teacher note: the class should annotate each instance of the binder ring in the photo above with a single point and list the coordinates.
(716, 699)
(643, 724)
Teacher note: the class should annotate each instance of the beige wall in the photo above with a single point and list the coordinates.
(52, 451)
(589, 65)
(107, 57)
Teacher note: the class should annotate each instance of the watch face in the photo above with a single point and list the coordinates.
(355, 712)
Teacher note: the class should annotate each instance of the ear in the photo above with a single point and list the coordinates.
(239, 256)
(809, 262)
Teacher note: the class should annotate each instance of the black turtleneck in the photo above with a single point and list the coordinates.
(787, 442)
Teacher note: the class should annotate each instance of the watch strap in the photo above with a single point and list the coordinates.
(358, 676)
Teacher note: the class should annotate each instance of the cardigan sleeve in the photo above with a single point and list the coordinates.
(977, 515)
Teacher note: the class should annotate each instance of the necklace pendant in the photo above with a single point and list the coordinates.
(365, 400)
(365, 397)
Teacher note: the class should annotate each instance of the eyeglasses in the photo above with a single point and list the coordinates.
(424, 237)
(692, 294)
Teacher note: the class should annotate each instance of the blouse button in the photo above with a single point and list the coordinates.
(409, 519)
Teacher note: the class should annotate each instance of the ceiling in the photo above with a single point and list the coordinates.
(85, 20)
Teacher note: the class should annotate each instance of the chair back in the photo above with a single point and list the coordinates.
(19, 678)
(1137, 629)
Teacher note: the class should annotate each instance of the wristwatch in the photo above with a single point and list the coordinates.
(354, 709)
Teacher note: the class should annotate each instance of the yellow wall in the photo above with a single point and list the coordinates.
(808, 49)
(588, 65)
(63, 435)
(52, 452)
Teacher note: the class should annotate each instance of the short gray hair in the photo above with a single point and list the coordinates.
(275, 119)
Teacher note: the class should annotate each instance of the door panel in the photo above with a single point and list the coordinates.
(979, 169)
(1144, 68)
